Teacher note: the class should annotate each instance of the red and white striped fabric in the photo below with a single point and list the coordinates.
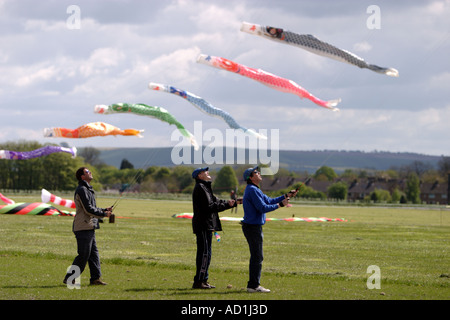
(48, 197)
(6, 200)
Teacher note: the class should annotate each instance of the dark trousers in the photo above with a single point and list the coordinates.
(203, 258)
(87, 253)
(254, 235)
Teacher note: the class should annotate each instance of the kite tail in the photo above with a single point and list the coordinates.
(6, 200)
(332, 104)
(45, 196)
(49, 197)
(132, 132)
(194, 143)
(74, 152)
(387, 71)
(191, 138)
(255, 134)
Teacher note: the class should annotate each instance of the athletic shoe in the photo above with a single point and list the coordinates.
(258, 289)
(201, 285)
(97, 282)
(65, 281)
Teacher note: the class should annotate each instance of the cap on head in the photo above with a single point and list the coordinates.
(249, 171)
(197, 171)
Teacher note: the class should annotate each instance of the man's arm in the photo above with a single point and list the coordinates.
(262, 202)
(88, 205)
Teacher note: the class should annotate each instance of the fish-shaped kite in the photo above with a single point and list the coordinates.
(145, 110)
(314, 45)
(25, 155)
(34, 208)
(204, 106)
(49, 197)
(291, 219)
(89, 130)
(266, 78)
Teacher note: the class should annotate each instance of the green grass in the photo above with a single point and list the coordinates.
(150, 255)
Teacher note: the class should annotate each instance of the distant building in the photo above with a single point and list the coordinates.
(434, 193)
(358, 189)
(274, 184)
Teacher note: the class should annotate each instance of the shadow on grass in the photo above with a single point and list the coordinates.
(33, 287)
(186, 291)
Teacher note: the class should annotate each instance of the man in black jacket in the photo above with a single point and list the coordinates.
(84, 224)
(204, 222)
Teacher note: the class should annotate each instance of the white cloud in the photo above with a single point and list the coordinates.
(101, 61)
(47, 67)
(13, 133)
(366, 130)
(3, 57)
(440, 81)
(218, 18)
(35, 74)
(176, 65)
(34, 25)
(362, 46)
(438, 7)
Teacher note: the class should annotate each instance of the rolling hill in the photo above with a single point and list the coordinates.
(291, 160)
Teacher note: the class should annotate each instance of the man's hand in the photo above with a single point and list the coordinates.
(284, 202)
(291, 193)
(108, 212)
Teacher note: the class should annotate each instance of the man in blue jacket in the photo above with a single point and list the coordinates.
(204, 222)
(256, 204)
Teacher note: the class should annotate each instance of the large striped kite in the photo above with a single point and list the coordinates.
(49, 197)
(34, 208)
(266, 78)
(92, 129)
(25, 155)
(145, 110)
(309, 219)
(312, 44)
(204, 106)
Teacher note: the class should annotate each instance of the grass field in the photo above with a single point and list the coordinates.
(147, 254)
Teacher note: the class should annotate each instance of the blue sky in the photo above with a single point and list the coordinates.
(52, 75)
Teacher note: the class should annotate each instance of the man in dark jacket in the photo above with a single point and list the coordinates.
(204, 222)
(84, 224)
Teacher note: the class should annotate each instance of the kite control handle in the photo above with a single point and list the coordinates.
(290, 192)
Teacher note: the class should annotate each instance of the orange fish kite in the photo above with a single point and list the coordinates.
(93, 129)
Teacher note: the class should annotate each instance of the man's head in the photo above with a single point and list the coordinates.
(252, 175)
(201, 173)
(84, 174)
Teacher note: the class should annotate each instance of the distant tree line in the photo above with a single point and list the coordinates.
(57, 172)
